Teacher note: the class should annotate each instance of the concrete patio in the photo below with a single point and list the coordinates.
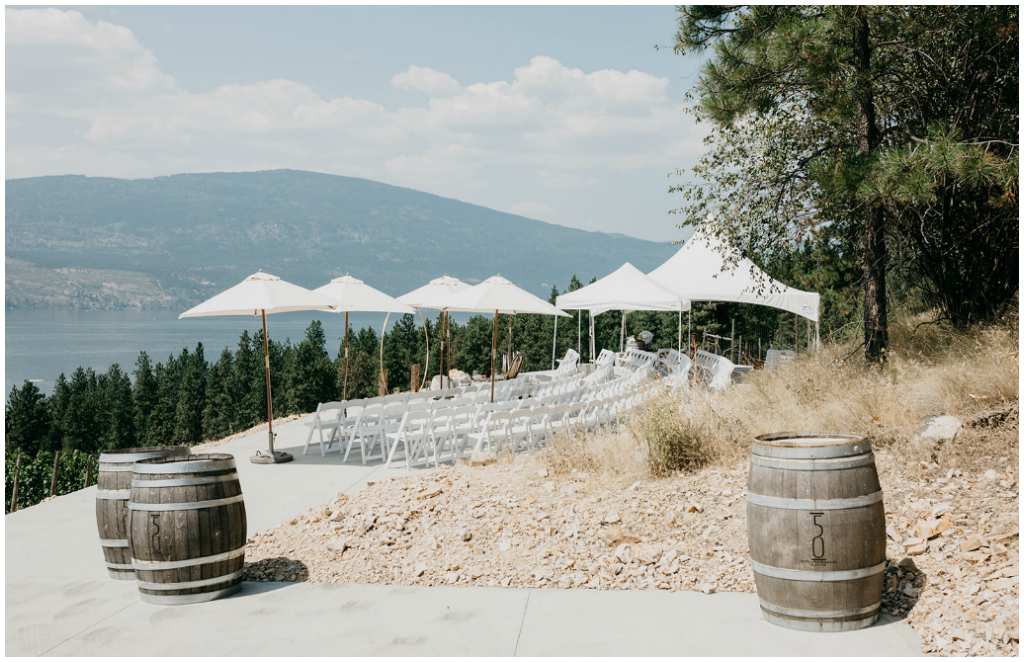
(59, 601)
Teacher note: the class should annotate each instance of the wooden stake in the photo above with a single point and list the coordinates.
(88, 469)
(17, 478)
(414, 378)
(53, 479)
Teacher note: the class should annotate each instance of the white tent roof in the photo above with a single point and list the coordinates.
(698, 272)
(353, 294)
(498, 294)
(626, 288)
(261, 292)
(434, 294)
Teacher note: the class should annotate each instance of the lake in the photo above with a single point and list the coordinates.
(41, 344)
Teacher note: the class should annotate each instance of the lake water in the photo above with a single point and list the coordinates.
(41, 344)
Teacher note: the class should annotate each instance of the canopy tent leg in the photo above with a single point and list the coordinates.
(593, 341)
(448, 337)
(689, 330)
(579, 332)
(554, 343)
(510, 341)
(440, 368)
(679, 340)
(817, 335)
(622, 333)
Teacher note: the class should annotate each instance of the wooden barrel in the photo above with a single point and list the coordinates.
(186, 528)
(816, 529)
(113, 484)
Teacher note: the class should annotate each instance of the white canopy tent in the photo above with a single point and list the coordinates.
(701, 271)
(626, 289)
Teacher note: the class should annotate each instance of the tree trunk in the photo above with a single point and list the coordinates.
(56, 470)
(876, 328)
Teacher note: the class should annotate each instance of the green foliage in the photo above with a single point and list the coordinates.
(791, 168)
(37, 473)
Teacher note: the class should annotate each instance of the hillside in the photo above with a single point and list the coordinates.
(90, 242)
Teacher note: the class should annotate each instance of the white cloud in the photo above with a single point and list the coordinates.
(550, 128)
(426, 80)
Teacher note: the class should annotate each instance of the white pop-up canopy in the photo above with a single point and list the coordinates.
(625, 289)
(699, 272)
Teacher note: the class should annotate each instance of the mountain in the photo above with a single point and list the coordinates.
(86, 242)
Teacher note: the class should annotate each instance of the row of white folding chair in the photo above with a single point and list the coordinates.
(332, 416)
(372, 424)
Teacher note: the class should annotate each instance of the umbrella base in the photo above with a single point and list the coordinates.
(278, 457)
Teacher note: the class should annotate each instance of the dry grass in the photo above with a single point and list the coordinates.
(607, 452)
(932, 370)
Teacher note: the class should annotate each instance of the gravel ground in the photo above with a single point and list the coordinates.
(952, 540)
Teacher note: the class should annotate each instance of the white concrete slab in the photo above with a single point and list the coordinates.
(627, 623)
(315, 619)
(59, 600)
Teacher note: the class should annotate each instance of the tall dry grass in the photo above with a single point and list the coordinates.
(932, 369)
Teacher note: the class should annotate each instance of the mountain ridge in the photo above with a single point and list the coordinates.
(194, 234)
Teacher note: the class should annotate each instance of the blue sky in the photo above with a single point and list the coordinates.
(565, 114)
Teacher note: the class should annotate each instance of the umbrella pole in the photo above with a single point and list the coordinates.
(344, 388)
(510, 341)
(274, 456)
(494, 349)
(440, 367)
(679, 341)
(448, 337)
(579, 332)
(689, 329)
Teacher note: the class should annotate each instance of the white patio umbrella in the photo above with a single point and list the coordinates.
(260, 294)
(353, 294)
(501, 296)
(435, 294)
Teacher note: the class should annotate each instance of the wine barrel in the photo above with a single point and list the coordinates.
(186, 528)
(816, 530)
(113, 484)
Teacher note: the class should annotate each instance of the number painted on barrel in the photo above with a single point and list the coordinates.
(155, 535)
(818, 541)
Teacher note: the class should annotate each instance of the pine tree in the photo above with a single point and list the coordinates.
(144, 397)
(27, 420)
(218, 414)
(115, 391)
(190, 400)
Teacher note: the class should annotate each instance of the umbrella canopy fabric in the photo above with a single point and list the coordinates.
(699, 272)
(352, 294)
(261, 293)
(626, 288)
(499, 294)
(434, 294)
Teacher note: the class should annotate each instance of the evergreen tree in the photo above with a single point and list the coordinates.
(218, 414)
(118, 407)
(26, 420)
(313, 378)
(144, 397)
(190, 399)
(58, 407)
(83, 420)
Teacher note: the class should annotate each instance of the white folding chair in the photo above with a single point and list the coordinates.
(412, 433)
(518, 430)
(368, 427)
(491, 431)
(327, 417)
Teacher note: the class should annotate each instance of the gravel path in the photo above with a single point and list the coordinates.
(952, 541)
